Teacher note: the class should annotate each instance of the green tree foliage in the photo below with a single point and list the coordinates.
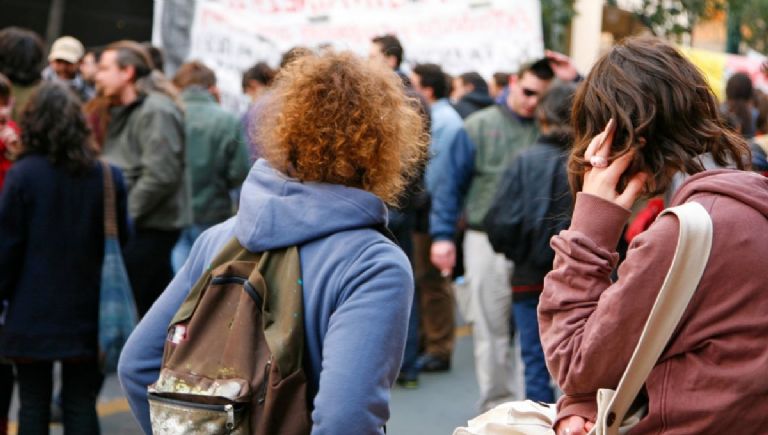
(556, 16)
(674, 18)
(753, 17)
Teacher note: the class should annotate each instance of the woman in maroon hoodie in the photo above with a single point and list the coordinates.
(711, 377)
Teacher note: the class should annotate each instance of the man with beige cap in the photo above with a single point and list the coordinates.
(64, 66)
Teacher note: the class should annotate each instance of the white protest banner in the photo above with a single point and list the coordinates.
(461, 35)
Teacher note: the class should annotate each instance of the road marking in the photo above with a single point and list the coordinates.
(463, 330)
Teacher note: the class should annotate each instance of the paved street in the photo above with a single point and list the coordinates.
(442, 401)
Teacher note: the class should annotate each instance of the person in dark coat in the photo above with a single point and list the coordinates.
(531, 205)
(473, 94)
(51, 251)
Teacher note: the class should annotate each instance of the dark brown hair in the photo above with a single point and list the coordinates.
(131, 53)
(554, 108)
(663, 108)
(501, 79)
(541, 68)
(476, 80)
(261, 72)
(432, 76)
(739, 93)
(53, 125)
(194, 73)
(5, 89)
(21, 55)
(336, 118)
(390, 46)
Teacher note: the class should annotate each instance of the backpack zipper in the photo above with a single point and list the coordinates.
(230, 416)
(179, 402)
(263, 389)
(223, 280)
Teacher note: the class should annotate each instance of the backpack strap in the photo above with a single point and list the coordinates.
(232, 250)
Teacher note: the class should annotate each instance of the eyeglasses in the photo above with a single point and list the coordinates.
(530, 92)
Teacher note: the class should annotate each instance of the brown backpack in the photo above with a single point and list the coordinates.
(233, 356)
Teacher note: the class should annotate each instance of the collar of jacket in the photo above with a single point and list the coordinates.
(119, 114)
(512, 115)
(558, 140)
(197, 94)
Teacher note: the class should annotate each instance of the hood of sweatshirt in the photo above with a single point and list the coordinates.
(744, 186)
(277, 211)
(477, 98)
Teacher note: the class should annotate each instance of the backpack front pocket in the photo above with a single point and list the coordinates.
(177, 414)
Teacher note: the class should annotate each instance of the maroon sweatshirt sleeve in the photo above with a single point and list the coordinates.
(589, 325)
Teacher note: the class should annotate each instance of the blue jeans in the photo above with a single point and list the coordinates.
(184, 245)
(537, 381)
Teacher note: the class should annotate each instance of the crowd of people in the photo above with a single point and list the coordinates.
(409, 193)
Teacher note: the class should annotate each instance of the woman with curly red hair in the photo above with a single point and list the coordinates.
(341, 140)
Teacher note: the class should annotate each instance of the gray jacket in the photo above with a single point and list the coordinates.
(146, 140)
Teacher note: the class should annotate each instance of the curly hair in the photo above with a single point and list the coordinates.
(53, 125)
(336, 118)
(663, 108)
(21, 55)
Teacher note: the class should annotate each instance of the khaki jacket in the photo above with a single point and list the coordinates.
(146, 140)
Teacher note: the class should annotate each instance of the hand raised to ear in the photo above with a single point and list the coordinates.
(603, 177)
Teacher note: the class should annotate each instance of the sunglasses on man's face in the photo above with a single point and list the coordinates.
(530, 92)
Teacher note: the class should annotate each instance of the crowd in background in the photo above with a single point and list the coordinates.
(497, 154)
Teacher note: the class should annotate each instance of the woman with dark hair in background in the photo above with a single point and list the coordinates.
(739, 95)
(22, 61)
(51, 249)
(644, 114)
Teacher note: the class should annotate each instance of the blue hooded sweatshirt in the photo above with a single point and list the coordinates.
(358, 287)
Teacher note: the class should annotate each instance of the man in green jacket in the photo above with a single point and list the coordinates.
(497, 133)
(145, 138)
(217, 157)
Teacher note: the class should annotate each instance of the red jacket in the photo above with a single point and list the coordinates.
(5, 162)
(711, 378)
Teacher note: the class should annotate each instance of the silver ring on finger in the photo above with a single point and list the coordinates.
(598, 162)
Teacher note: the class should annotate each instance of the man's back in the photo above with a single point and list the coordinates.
(146, 140)
(497, 134)
(216, 157)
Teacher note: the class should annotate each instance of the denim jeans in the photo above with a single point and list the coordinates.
(537, 380)
(184, 245)
(79, 389)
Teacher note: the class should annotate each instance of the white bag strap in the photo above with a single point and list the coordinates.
(693, 247)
